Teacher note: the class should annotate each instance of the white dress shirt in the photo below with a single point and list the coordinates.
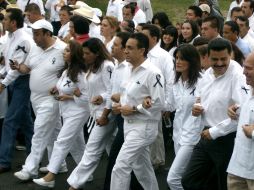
(145, 80)
(99, 84)
(187, 128)
(66, 86)
(217, 94)
(251, 22)
(16, 48)
(115, 9)
(120, 74)
(146, 7)
(249, 39)
(45, 66)
(241, 163)
(163, 61)
(54, 12)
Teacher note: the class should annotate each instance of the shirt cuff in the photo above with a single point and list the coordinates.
(214, 133)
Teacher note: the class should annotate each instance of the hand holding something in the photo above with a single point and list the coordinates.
(97, 100)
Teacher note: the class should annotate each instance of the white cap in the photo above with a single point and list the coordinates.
(205, 8)
(40, 24)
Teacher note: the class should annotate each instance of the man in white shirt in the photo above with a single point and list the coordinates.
(241, 166)
(210, 27)
(222, 85)
(140, 129)
(44, 64)
(16, 48)
(23, 3)
(245, 31)
(248, 9)
(163, 61)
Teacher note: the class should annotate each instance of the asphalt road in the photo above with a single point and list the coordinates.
(9, 182)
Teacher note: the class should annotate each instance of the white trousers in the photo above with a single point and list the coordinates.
(183, 155)
(135, 155)
(46, 121)
(70, 139)
(157, 148)
(95, 147)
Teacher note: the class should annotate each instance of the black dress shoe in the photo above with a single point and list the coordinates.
(3, 170)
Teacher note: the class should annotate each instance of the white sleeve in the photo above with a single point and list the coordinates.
(83, 99)
(106, 79)
(21, 52)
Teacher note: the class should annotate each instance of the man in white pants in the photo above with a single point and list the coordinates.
(140, 125)
(44, 64)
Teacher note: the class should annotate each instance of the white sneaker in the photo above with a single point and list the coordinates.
(45, 170)
(23, 175)
(90, 178)
(42, 182)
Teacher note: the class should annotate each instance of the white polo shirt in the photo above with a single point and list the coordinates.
(45, 66)
(217, 94)
(145, 80)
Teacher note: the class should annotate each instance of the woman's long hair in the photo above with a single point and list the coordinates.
(188, 53)
(97, 47)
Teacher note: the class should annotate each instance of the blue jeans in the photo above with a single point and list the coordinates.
(18, 116)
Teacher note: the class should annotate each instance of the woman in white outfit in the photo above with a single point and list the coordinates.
(186, 132)
(97, 79)
(64, 14)
(71, 93)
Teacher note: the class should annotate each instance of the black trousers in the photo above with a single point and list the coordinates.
(115, 148)
(56, 26)
(208, 164)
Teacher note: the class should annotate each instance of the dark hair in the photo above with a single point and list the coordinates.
(16, 15)
(131, 26)
(238, 54)
(219, 44)
(251, 3)
(163, 19)
(131, 7)
(244, 19)
(189, 53)
(214, 21)
(124, 36)
(34, 8)
(142, 41)
(97, 47)
(68, 9)
(202, 49)
(172, 31)
(235, 9)
(196, 9)
(195, 31)
(80, 24)
(154, 31)
(77, 62)
(233, 26)
(199, 41)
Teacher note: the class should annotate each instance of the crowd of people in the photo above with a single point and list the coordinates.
(78, 80)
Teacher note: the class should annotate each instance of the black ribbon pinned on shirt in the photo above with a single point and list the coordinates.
(53, 61)
(193, 91)
(22, 48)
(245, 89)
(110, 72)
(158, 78)
(68, 82)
